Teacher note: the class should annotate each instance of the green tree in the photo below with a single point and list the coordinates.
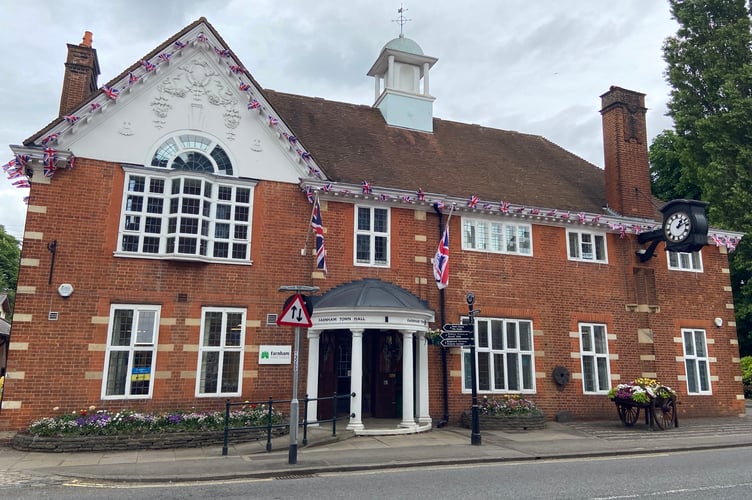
(10, 251)
(708, 155)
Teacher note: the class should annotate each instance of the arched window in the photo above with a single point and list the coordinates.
(192, 152)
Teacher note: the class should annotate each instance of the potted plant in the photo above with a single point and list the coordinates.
(506, 412)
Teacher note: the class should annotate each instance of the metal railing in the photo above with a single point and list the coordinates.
(269, 426)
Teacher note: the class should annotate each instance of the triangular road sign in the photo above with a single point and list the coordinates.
(295, 313)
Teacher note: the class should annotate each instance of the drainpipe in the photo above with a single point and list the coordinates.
(442, 311)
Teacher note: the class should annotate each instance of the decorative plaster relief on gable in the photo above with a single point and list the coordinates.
(198, 80)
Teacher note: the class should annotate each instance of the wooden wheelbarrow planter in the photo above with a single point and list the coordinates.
(660, 412)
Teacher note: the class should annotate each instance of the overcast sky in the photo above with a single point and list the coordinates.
(534, 66)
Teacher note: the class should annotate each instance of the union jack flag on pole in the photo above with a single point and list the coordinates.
(441, 261)
(318, 229)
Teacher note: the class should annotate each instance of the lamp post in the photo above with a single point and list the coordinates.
(475, 438)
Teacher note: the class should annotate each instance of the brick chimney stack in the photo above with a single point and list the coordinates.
(625, 148)
(81, 72)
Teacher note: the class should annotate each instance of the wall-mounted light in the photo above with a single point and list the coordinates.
(718, 322)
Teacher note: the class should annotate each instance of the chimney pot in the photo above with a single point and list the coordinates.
(86, 42)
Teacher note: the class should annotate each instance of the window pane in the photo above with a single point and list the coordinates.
(380, 250)
(242, 214)
(239, 251)
(212, 328)
(574, 245)
(702, 371)
(136, 183)
(153, 225)
(497, 334)
(231, 371)
(527, 372)
(524, 239)
(221, 249)
(691, 365)
(688, 344)
(481, 236)
(187, 245)
(363, 248)
(496, 238)
(469, 235)
(482, 340)
(700, 344)
(241, 232)
(513, 372)
(145, 333)
(154, 205)
(511, 335)
(601, 344)
(498, 372)
(132, 222)
(380, 220)
(222, 231)
(484, 380)
(130, 243)
(600, 248)
(192, 186)
(224, 193)
(234, 329)
(209, 372)
(673, 260)
(190, 206)
(588, 373)
(117, 371)
(122, 327)
(511, 239)
(141, 373)
(603, 382)
(134, 203)
(586, 339)
(526, 336)
(364, 219)
(223, 212)
(467, 379)
(243, 195)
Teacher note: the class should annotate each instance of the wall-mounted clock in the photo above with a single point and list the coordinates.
(677, 227)
(685, 226)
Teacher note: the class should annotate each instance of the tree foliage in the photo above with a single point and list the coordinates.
(10, 251)
(708, 155)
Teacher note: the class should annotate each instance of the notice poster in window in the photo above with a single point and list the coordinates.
(140, 374)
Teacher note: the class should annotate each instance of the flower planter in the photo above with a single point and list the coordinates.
(506, 422)
(166, 440)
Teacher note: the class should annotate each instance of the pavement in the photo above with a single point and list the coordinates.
(325, 453)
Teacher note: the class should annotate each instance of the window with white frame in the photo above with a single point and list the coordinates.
(696, 361)
(596, 377)
(186, 204)
(220, 360)
(685, 261)
(131, 353)
(587, 246)
(496, 237)
(371, 236)
(504, 357)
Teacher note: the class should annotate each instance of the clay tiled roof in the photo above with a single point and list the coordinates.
(352, 143)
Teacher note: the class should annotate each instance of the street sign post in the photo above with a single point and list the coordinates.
(295, 313)
(457, 327)
(456, 339)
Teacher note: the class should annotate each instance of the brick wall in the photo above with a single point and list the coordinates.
(60, 363)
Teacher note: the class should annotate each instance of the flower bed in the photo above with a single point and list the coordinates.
(97, 430)
(506, 413)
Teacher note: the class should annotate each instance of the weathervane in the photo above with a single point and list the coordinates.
(402, 19)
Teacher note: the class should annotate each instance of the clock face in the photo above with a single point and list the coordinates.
(677, 227)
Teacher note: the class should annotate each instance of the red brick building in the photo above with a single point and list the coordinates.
(169, 206)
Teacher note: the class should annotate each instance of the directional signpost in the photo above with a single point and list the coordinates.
(456, 335)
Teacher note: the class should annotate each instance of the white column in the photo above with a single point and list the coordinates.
(356, 381)
(423, 415)
(390, 73)
(425, 79)
(312, 380)
(377, 79)
(408, 394)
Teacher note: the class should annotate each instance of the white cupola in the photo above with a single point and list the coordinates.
(401, 77)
